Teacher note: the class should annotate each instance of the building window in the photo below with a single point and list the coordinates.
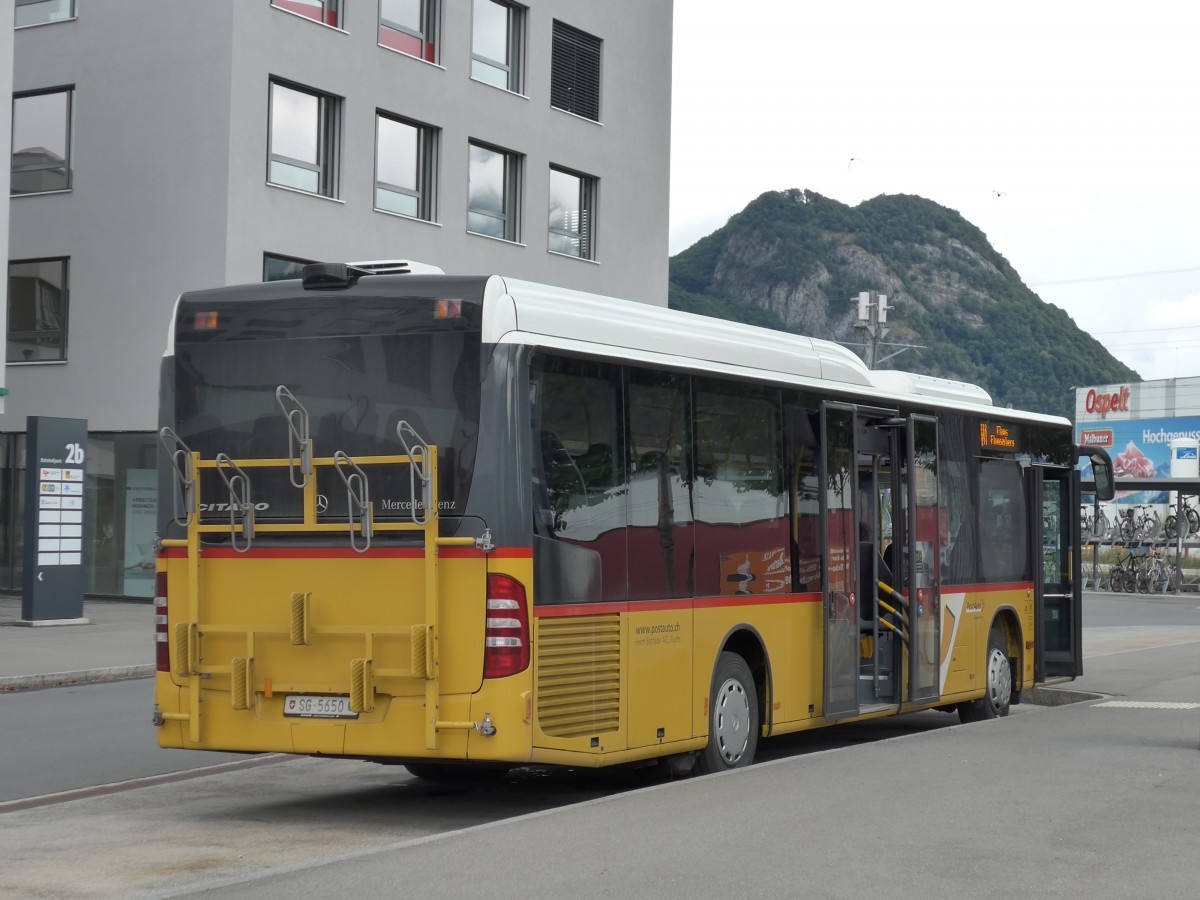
(575, 72)
(405, 159)
(572, 213)
(119, 531)
(492, 192)
(304, 139)
(282, 268)
(41, 142)
(326, 12)
(37, 310)
(497, 40)
(39, 12)
(409, 26)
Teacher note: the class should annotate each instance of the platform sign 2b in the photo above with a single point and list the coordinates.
(53, 582)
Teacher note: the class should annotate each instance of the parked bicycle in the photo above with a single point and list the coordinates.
(1122, 574)
(1142, 521)
(1151, 574)
(1191, 521)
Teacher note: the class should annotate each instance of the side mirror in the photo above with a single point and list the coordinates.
(1102, 470)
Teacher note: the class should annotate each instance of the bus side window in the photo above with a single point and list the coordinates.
(737, 494)
(1003, 535)
(579, 504)
(660, 533)
(804, 488)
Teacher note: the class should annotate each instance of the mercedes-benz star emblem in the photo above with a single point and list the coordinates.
(322, 503)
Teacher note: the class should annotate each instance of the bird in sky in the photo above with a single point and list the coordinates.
(853, 160)
(998, 193)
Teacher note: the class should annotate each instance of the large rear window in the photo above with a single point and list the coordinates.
(359, 362)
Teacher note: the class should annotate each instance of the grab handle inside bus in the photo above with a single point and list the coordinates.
(1102, 469)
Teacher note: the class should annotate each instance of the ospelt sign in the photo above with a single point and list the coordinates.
(1103, 404)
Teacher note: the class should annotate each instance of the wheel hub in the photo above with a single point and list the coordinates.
(731, 721)
(999, 680)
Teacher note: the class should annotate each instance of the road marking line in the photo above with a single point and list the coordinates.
(1146, 704)
(117, 787)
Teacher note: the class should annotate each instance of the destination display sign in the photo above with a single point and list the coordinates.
(997, 436)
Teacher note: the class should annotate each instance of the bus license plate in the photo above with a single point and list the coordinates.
(308, 706)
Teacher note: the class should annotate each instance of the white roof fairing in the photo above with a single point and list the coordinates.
(520, 312)
(547, 312)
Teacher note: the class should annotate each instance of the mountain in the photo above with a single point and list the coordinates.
(792, 260)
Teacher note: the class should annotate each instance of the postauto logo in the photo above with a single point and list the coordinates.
(1118, 401)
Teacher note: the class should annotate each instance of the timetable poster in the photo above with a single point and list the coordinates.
(55, 476)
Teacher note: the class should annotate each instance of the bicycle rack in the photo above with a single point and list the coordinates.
(1166, 540)
(190, 469)
(299, 436)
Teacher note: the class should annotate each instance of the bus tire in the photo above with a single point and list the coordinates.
(998, 688)
(733, 722)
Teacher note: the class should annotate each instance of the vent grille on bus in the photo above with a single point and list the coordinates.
(579, 675)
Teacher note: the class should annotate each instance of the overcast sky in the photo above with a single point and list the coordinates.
(1068, 131)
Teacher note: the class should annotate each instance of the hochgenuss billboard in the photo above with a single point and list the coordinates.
(1140, 447)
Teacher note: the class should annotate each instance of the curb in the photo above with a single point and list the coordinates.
(10, 683)
(1049, 696)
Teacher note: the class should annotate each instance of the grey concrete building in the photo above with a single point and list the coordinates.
(6, 45)
(163, 147)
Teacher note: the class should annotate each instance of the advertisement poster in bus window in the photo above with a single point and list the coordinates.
(756, 572)
(1140, 448)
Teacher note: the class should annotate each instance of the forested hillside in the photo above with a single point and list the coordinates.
(792, 260)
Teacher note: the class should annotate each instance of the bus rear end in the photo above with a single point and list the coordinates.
(324, 586)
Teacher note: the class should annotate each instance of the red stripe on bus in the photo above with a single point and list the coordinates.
(598, 609)
(756, 600)
(986, 588)
(512, 553)
(348, 553)
(304, 553)
(738, 600)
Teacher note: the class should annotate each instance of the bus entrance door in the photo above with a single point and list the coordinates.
(881, 605)
(1058, 650)
(839, 577)
(878, 468)
(923, 541)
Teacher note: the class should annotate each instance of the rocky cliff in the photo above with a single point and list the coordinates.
(793, 260)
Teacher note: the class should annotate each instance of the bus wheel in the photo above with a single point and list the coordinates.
(732, 717)
(998, 693)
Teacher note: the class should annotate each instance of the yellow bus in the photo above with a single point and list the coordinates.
(468, 523)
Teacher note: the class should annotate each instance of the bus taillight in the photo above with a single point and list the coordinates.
(506, 639)
(162, 643)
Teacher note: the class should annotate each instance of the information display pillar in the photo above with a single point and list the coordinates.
(53, 582)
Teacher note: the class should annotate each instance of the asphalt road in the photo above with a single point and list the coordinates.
(1092, 799)
(260, 825)
(67, 738)
(1103, 609)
